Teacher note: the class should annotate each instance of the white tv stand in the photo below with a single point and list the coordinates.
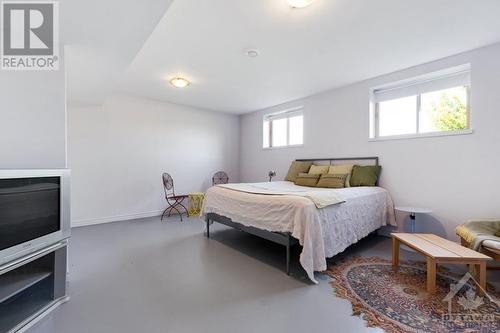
(31, 287)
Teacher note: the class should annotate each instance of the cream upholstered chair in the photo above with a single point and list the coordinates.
(480, 235)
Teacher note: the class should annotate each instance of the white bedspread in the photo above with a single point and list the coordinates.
(322, 232)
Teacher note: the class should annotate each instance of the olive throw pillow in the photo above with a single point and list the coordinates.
(365, 175)
(307, 179)
(332, 181)
(319, 169)
(342, 169)
(295, 168)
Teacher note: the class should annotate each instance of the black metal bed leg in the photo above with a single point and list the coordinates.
(288, 257)
(208, 226)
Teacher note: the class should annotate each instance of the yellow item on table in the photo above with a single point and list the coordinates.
(195, 203)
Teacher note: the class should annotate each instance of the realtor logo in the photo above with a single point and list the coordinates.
(30, 35)
(472, 311)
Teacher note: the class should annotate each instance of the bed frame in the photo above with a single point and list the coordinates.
(283, 238)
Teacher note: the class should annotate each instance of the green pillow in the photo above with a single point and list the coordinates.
(366, 175)
(295, 168)
(497, 233)
(307, 179)
(332, 181)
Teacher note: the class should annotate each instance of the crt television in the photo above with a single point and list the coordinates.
(34, 211)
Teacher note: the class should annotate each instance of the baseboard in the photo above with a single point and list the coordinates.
(116, 218)
(386, 230)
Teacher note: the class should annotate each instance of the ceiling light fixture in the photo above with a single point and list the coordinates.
(252, 53)
(179, 82)
(299, 3)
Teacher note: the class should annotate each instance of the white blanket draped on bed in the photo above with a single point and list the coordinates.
(323, 232)
(321, 197)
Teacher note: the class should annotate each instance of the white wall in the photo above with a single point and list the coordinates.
(32, 119)
(118, 151)
(456, 176)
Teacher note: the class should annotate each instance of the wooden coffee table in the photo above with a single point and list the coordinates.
(439, 250)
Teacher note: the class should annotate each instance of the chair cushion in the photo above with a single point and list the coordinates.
(477, 232)
(491, 244)
(182, 196)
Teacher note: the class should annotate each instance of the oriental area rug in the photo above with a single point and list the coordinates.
(396, 300)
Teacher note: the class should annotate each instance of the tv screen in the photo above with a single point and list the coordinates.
(29, 208)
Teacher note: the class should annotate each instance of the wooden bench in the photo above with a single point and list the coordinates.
(438, 251)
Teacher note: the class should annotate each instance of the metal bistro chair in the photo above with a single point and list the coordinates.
(220, 177)
(174, 201)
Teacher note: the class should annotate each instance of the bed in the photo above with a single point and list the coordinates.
(290, 219)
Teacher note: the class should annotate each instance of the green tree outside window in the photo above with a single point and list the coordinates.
(449, 113)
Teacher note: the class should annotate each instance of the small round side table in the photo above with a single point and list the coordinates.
(413, 214)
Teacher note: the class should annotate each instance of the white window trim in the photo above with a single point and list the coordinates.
(288, 113)
(373, 134)
(422, 135)
(283, 147)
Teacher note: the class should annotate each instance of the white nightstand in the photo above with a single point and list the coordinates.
(413, 214)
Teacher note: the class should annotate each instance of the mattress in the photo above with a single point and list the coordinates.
(322, 232)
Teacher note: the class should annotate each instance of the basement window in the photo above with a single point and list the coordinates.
(283, 129)
(430, 105)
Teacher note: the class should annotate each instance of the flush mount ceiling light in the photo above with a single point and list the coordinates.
(252, 53)
(299, 3)
(179, 82)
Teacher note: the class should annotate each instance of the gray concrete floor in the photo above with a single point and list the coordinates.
(151, 276)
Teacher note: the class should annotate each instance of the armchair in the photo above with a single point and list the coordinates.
(481, 235)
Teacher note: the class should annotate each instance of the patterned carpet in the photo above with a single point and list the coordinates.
(396, 301)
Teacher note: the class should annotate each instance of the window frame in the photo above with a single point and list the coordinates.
(374, 119)
(285, 114)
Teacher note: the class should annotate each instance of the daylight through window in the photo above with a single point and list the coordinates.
(283, 129)
(434, 103)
